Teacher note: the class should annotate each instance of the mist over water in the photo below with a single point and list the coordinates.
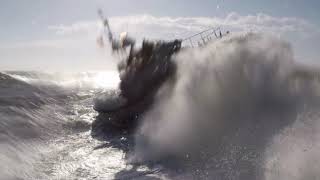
(227, 106)
(75, 80)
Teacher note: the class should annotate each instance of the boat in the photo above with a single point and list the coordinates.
(142, 73)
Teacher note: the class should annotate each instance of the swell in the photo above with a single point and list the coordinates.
(31, 115)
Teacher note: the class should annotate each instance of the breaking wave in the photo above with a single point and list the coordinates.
(226, 105)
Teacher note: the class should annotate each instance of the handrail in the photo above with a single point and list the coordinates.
(204, 36)
(212, 28)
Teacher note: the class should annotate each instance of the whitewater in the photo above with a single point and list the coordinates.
(238, 108)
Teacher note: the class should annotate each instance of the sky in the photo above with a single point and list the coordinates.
(60, 35)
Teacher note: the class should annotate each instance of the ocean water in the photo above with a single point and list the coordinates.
(238, 108)
(45, 127)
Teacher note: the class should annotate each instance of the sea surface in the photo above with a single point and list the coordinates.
(239, 108)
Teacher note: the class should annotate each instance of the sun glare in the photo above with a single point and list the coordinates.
(106, 79)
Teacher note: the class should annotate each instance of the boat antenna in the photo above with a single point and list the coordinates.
(106, 27)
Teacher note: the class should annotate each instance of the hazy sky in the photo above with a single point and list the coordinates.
(60, 35)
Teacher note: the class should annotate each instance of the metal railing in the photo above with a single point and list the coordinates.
(203, 37)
